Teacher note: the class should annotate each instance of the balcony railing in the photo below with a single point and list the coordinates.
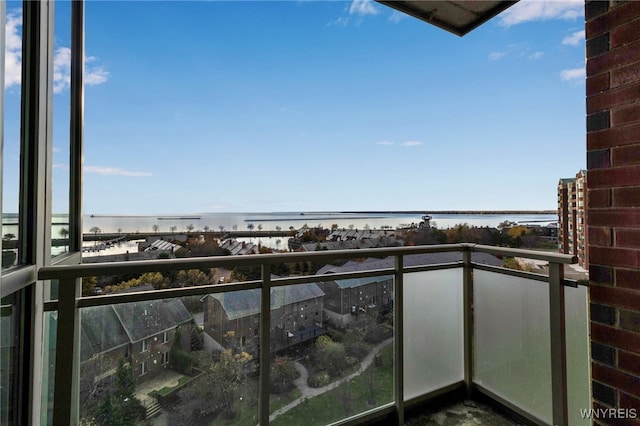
(457, 326)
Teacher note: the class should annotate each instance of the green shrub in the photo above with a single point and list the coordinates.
(321, 378)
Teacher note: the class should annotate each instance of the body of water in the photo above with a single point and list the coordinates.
(268, 221)
(271, 221)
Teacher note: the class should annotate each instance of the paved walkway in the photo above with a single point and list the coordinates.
(167, 378)
(309, 392)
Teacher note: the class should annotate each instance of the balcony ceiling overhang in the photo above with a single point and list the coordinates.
(458, 17)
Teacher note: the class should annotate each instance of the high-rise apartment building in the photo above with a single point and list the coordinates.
(572, 216)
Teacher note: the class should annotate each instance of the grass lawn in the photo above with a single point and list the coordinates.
(372, 388)
(247, 408)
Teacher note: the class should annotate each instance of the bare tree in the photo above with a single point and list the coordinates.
(156, 228)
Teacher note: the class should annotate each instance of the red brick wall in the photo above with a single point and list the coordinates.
(613, 162)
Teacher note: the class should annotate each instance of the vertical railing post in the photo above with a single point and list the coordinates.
(558, 345)
(265, 345)
(67, 369)
(398, 325)
(467, 316)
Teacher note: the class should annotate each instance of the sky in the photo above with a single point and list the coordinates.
(274, 106)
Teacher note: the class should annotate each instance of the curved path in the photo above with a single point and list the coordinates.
(309, 392)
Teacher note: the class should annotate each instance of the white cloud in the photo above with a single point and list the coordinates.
(536, 55)
(363, 7)
(340, 22)
(494, 56)
(412, 143)
(114, 171)
(61, 60)
(62, 71)
(574, 39)
(13, 49)
(385, 143)
(573, 74)
(542, 10)
(396, 16)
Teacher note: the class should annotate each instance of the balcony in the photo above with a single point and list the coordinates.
(459, 329)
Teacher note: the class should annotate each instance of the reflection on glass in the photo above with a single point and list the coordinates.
(433, 331)
(332, 347)
(11, 150)
(512, 342)
(61, 100)
(9, 357)
(48, 366)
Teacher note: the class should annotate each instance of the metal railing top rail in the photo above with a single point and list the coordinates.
(160, 265)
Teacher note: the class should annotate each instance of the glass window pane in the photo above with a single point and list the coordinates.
(61, 108)
(12, 53)
(48, 366)
(433, 331)
(512, 355)
(10, 351)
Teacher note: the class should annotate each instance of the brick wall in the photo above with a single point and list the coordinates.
(613, 162)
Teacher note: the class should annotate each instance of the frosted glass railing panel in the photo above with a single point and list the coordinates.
(433, 331)
(578, 366)
(512, 343)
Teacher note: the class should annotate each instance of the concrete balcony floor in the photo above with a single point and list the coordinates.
(466, 413)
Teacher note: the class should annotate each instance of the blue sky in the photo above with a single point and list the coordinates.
(313, 105)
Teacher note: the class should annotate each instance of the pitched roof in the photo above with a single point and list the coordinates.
(238, 304)
(357, 282)
(145, 319)
(410, 260)
(100, 331)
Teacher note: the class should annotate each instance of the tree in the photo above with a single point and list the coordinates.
(278, 228)
(173, 229)
(206, 229)
(95, 230)
(250, 227)
(217, 390)
(64, 233)
(8, 237)
(283, 373)
(156, 228)
(193, 277)
(119, 230)
(330, 356)
(121, 407)
(260, 227)
(221, 227)
(189, 227)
